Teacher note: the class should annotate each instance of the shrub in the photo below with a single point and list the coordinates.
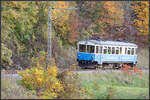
(48, 83)
(42, 81)
(72, 86)
(127, 68)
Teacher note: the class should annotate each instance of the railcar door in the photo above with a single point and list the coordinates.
(98, 54)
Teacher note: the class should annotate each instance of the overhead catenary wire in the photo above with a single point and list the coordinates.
(50, 22)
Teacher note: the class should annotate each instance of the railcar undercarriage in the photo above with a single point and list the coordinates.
(90, 64)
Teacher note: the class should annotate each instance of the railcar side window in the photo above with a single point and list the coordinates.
(109, 50)
(120, 50)
(101, 49)
(117, 50)
(113, 50)
(97, 51)
(82, 48)
(132, 52)
(125, 50)
(90, 49)
(105, 50)
(129, 51)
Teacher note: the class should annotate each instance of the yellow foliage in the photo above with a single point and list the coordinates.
(141, 10)
(72, 86)
(52, 71)
(44, 82)
(59, 12)
(115, 12)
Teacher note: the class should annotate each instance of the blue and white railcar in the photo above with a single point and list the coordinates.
(100, 52)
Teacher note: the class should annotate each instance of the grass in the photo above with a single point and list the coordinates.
(11, 90)
(116, 85)
(143, 58)
(104, 85)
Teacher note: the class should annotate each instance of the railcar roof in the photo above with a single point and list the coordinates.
(107, 42)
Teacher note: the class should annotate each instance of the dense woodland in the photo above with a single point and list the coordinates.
(25, 27)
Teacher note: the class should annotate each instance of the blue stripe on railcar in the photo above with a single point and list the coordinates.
(85, 56)
(118, 58)
(101, 58)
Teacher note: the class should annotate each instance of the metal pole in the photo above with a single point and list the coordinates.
(49, 39)
(49, 44)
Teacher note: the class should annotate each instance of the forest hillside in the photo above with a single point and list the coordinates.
(25, 28)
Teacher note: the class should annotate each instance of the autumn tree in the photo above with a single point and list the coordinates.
(99, 16)
(141, 19)
(17, 27)
(62, 21)
(24, 27)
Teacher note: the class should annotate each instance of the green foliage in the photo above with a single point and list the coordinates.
(25, 25)
(115, 85)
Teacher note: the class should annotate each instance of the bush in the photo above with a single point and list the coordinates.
(42, 81)
(48, 83)
(72, 86)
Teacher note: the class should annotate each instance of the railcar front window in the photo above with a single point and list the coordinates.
(90, 49)
(82, 48)
(132, 52)
(97, 51)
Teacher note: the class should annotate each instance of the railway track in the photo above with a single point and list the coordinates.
(78, 71)
(107, 69)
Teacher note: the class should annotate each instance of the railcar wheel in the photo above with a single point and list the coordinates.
(99, 66)
(116, 66)
(134, 65)
(110, 66)
(96, 67)
(103, 67)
